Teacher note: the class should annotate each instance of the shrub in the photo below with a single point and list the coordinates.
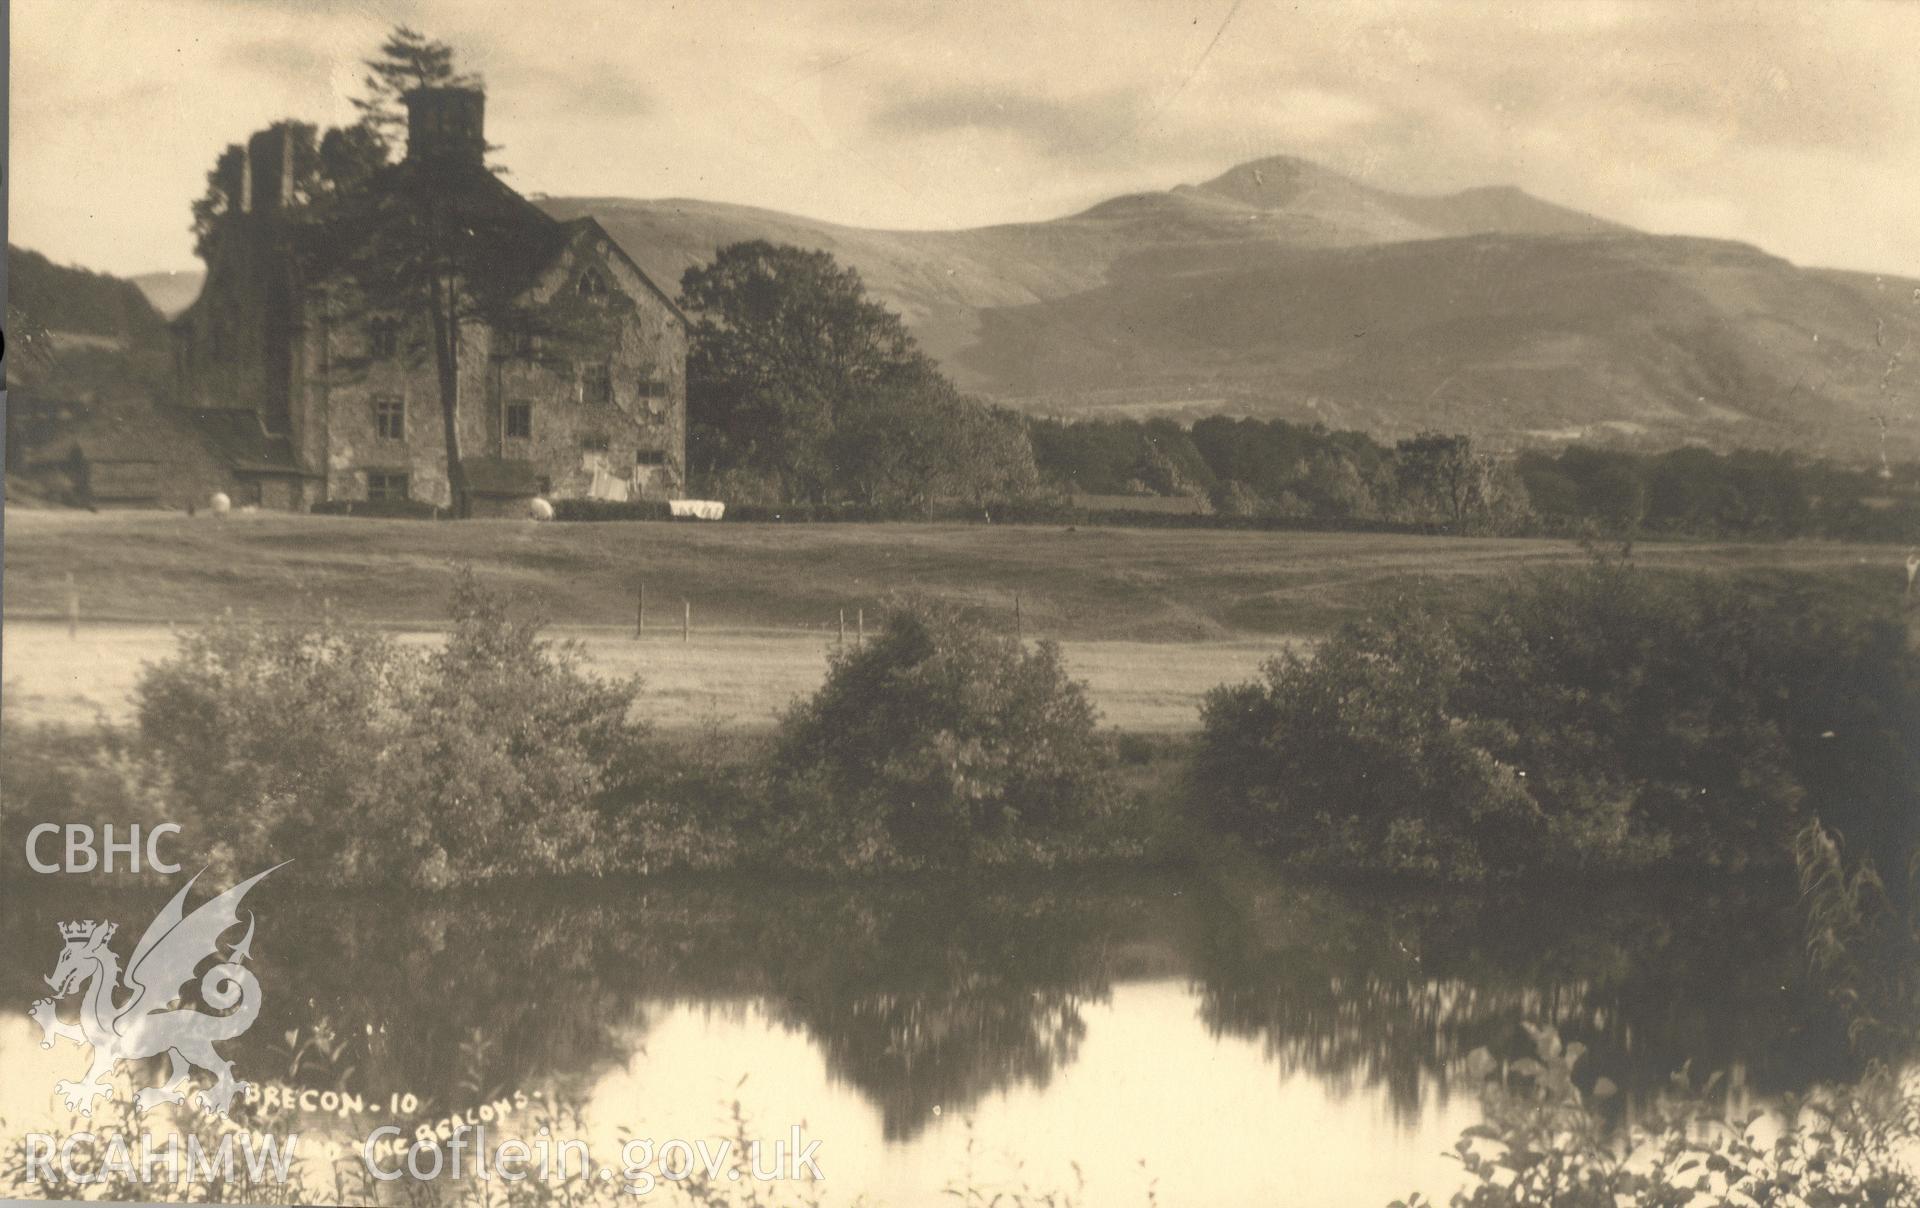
(1863, 941)
(1355, 759)
(1599, 717)
(696, 802)
(507, 751)
(92, 775)
(1547, 1141)
(365, 760)
(937, 736)
(1644, 710)
(267, 735)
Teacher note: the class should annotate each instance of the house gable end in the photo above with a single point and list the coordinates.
(586, 237)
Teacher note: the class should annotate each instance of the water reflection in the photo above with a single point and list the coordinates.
(1260, 1006)
(916, 996)
(1393, 990)
(941, 997)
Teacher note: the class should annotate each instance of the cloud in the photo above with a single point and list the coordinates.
(1786, 125)
(1063, 128)
(600, 90)
(287, 57)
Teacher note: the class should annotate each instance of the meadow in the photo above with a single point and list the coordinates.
(1149, 618)
(726, 677)
(1073, 583)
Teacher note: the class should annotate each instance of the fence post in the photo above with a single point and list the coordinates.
(1018, 630)
(843, 629)
(860, 636)
(640, 612)
(73, 608)
(686, 621)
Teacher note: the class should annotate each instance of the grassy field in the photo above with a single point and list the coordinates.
(1150, 619)
(726, 678)
(1103, 584)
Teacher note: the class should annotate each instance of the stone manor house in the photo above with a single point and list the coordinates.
(304, 396)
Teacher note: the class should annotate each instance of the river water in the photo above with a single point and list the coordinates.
(1196, 1039)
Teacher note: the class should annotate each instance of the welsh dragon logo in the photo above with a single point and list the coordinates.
(147, 1021)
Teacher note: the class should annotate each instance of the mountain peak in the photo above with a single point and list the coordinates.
(1287, 182)
(1274, 181)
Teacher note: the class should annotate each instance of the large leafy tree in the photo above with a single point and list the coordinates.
(927, 442)
(785, 341)
(1442, 477)
(217, 203)
(797, 376)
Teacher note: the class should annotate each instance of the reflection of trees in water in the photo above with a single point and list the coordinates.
(941, 993)
(460, 1000)
(456, 999)
(1393, 991)
(917, 996)
(936, 998)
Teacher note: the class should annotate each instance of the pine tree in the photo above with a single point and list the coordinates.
(407, 60)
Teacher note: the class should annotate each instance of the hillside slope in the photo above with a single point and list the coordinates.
(88, 356)
(1515, 338)
(1282, 288)
(74, 302)
(941, 281)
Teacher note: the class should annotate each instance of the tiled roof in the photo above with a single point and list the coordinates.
(237, 439)
(128, 433)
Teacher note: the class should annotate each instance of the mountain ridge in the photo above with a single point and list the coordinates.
(1283, 288)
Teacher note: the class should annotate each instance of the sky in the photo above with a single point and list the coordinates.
(1795, 126)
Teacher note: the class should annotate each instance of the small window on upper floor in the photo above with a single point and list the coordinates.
(596, 384)
(383, 338)
(652, 387)
(593, 284)
(390, 417)
(650, 457)
(520, 421)
(595, 442)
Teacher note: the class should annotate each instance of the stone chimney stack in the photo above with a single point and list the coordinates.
(230, 177)
(447, 124)
(270, 170)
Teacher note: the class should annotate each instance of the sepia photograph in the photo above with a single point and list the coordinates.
(1008, 604)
